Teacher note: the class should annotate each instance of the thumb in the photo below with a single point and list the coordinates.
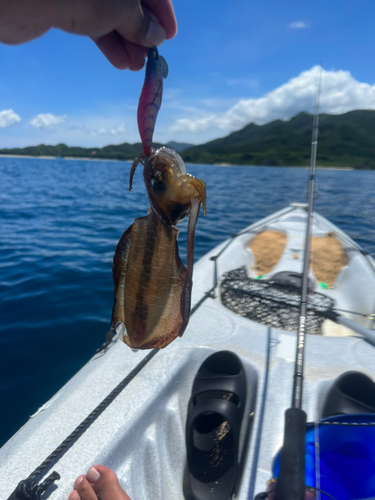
(141, 27)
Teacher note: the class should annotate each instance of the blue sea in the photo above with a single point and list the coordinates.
(60, 221)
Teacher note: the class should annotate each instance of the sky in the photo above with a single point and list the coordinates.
(230, 64)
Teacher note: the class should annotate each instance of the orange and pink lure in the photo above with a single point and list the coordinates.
(151, 96)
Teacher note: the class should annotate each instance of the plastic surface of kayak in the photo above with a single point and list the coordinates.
(347, 457)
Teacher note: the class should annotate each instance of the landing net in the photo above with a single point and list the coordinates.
(271, 302)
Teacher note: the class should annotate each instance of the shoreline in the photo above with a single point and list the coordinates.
(28, 156)
(62, 158)
(84, 158)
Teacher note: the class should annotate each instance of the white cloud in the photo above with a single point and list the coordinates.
(340, 93)
(46, 120)
(101, 131)
(8, 117)
(119, 126)
(120, 129)
(298, 25)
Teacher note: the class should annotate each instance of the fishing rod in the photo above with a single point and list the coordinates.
(291, 478)
(298, 372)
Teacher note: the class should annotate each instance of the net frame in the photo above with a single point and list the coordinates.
(272, 302)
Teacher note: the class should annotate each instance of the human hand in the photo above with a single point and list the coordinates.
(122, 29)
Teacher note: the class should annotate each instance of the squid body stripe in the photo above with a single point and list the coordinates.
(145, 278)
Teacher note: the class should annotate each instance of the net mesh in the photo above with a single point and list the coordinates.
(271, 302)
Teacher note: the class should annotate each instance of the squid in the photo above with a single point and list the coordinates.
(152, 287)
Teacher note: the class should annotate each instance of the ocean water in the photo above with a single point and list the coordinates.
(60, 221)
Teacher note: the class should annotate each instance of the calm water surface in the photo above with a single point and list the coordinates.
(60, 221)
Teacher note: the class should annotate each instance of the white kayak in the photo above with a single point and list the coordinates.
(141, 434)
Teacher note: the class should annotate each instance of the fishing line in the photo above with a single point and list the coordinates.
(317, 458)
(324, 493)
(316, 424)
(261, 417)
(310, 488)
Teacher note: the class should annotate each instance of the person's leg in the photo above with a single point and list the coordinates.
(99, 482)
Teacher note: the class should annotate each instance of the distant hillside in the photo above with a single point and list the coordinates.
(179, 146)
(123, 151)
(344, 140)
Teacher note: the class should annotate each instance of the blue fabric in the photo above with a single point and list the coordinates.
(347, 458)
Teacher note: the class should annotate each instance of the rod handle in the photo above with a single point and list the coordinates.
(291, 478)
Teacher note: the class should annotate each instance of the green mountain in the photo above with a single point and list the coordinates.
(123, 151)
(344, 140)
(179, 146)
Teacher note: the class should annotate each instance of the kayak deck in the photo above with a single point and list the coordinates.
(141, 435)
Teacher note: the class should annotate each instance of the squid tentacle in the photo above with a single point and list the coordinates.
(140, 159)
